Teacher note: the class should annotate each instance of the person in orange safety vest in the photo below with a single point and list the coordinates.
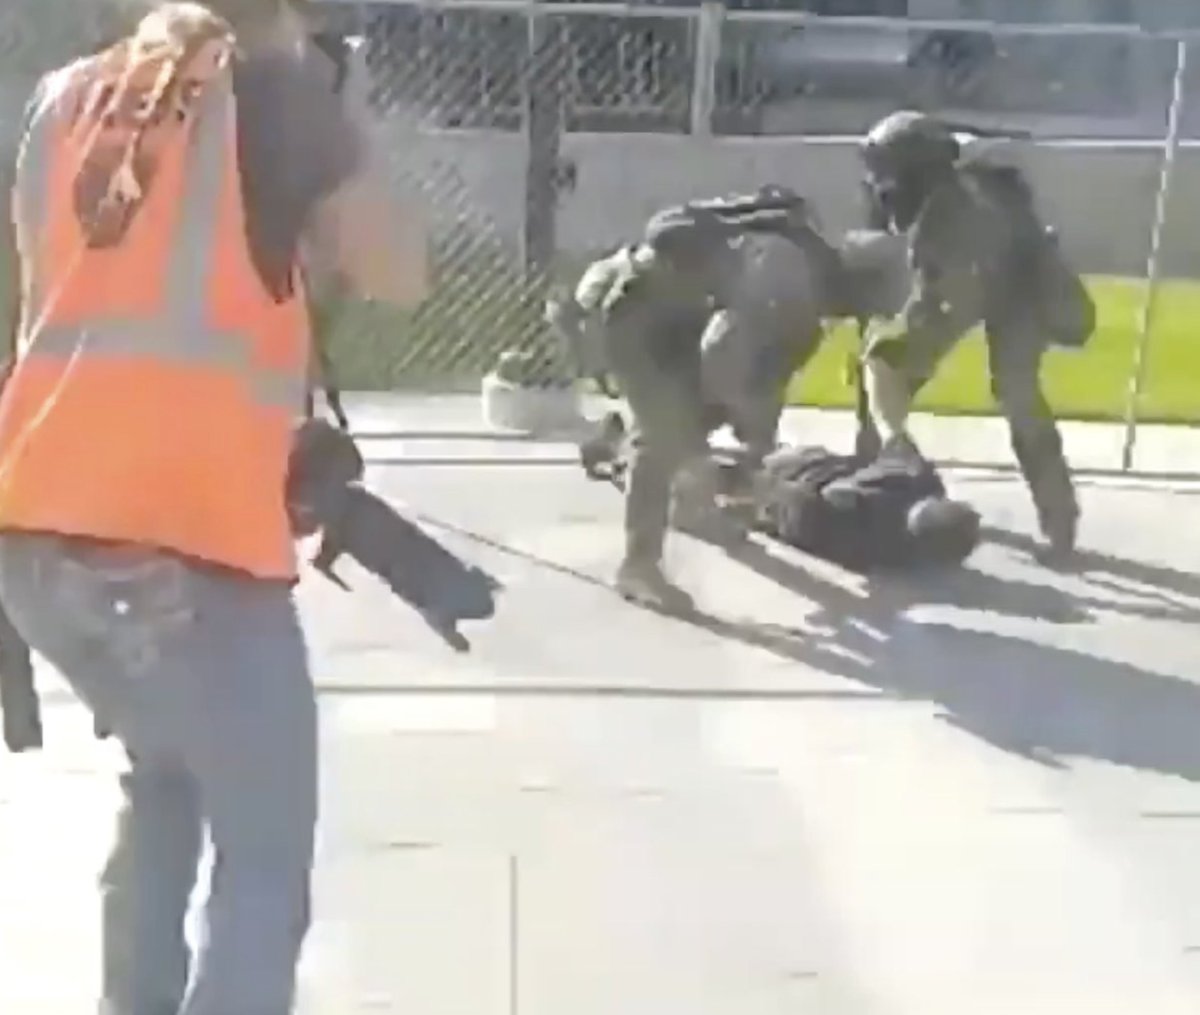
(164, 190)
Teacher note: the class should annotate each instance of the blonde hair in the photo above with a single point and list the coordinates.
(174, 35)
(184, 45)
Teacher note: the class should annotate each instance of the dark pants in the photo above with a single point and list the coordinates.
(18, 696)
(1014, 362)
(748, 359)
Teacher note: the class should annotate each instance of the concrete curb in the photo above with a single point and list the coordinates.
(446, 429)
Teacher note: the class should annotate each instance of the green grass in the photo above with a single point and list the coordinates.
(459, 333)
(1090, 383)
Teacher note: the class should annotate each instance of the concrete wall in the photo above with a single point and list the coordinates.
(1101, 198)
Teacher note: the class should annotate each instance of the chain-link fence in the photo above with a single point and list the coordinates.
(35, 36)
(539, 134)
(544, 134)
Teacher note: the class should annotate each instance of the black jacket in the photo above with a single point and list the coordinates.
(844, 508)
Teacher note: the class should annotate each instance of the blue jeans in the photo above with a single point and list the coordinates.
(203, 675)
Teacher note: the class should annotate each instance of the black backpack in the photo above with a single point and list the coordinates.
(1038, 276)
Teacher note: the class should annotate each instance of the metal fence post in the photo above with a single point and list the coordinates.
(472, 102)
(542, 99)
(1153, 267)
(704, 71)
(514, 935)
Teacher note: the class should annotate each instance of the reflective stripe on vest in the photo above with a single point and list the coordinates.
(157, 382)
(183, 334)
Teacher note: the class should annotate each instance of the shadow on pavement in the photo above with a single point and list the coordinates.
(1117, 573)
(962, 587)
(1048, 703)
(1033, 700)
(441, 587)
(1037, 701)
(970, 589)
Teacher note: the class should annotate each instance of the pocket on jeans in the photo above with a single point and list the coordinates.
(138, 601)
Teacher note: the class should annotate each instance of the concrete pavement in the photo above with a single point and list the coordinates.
(974, 793)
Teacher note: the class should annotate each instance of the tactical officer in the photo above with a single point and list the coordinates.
(776, 289)
(978, 252)
(788, 279)
(654, 301)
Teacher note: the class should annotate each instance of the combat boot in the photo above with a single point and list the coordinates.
(1048, 477)
(643, 582)
(1058, 514)
(1060, 527)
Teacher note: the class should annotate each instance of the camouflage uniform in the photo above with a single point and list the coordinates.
(752, 349)
(776, 289)
(655, 301)
(582, 329)
(771, 323)
(978, 253)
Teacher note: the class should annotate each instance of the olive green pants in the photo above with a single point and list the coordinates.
(657, 366)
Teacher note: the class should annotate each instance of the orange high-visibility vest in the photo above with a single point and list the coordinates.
(157, 382)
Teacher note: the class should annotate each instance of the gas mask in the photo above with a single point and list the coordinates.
(895, 200)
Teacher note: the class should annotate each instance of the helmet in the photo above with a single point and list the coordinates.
(947, 531)
(684, 227)
(905, 155)
(907, 142)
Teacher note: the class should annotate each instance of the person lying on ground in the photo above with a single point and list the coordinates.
(891, 511)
